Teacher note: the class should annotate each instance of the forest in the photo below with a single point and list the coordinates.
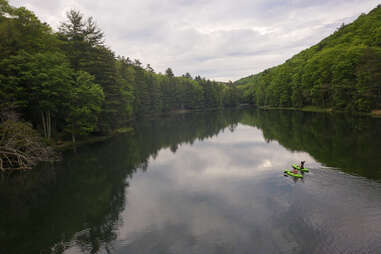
(65, 84)
(342, 72)
(58, 86)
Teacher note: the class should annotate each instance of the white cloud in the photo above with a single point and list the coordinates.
(218, 39)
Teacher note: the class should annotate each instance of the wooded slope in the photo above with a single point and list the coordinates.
(342, 72)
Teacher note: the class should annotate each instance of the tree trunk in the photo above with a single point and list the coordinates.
(46, 118)
(74, 144)
(73, 138)
(44, 124)
(49, 123)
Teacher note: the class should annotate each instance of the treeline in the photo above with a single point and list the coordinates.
(71, 82)
(342, 72)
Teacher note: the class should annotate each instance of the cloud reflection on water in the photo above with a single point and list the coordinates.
(210, 192)
(227, 194)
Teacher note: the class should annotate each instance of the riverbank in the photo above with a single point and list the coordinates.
(186, 111)
(373, 113)
(91, 139)
(68, 145)
(306, 109)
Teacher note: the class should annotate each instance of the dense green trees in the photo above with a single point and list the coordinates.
(85, 103)
(39, 84)
(160, 93)
(341, 72)
(83, 44)
(70, 82)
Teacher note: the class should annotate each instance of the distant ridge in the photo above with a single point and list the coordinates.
(341, 72)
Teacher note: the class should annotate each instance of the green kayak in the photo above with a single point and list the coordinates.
(289, 172)
(301, 169)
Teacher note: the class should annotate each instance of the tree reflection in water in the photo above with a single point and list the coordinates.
(79, 201)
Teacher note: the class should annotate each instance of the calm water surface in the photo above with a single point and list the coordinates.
(206, 183)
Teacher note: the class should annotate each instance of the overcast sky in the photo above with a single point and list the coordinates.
(218, 39)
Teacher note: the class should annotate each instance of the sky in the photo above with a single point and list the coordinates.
(218, 39)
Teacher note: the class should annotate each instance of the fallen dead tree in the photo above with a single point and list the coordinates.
(21, 147)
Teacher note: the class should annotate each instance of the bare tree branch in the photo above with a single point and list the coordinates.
(21, 147)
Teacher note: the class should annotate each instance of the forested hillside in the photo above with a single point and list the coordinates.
(342, 72)
(68, 83)
(70, 80)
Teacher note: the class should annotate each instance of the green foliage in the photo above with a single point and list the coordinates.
(40, 80)
(40, 84)
(341, 72)
(20, 29)
(71, 81)
(4, 8)
(157, 93)
(85, 104)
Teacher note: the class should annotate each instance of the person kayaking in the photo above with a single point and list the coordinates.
(302, 164)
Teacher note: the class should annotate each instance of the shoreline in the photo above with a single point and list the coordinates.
(93, 139)
(68, 145)
(374, 113)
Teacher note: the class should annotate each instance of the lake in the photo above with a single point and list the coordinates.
(206, 183)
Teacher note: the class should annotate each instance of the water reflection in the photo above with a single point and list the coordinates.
(207, 198)
(205, 183)
(349, 143)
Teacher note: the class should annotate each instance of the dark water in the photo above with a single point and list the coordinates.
(206, 183)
